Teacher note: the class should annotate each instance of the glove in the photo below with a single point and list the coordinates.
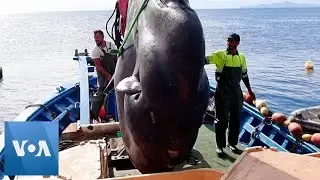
(252, 94)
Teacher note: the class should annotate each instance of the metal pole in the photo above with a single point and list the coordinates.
(84, 91)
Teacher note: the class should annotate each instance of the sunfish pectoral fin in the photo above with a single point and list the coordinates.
(129, 85)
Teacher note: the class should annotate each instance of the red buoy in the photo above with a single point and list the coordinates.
(102, 112)
(315, 138)
(295, 129)
(278, 117)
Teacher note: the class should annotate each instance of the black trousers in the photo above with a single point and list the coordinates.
(228, 102)
(100, 98)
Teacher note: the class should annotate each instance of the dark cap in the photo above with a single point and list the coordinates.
(98, 31)
(234, 36)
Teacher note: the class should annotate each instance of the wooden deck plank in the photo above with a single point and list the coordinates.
(267, 164)
(198, 174)
(80, 162)
(314, 155)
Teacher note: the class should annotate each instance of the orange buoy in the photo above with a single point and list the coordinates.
(264, 111)
(308, 65)
(260, 103)
(286, 123)
(278, 117)
(316, 139)
(295, 129)
(306, 137)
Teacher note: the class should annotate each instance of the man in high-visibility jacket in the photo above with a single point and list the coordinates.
(231, 68)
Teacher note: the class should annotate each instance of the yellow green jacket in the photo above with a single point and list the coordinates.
(228, 67)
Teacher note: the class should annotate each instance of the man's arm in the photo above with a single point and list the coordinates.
(246, 81)
(100, 69)
(211, 59)
(245, 78)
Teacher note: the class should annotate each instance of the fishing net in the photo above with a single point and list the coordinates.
(308, 118)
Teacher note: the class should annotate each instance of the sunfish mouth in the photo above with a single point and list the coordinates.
(129, 85)
(173, 153)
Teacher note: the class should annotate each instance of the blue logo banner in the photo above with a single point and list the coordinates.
(31, 148)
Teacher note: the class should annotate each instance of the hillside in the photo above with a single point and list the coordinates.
(286, 4)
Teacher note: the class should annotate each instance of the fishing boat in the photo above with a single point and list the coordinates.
(91, 151)
(308, 118)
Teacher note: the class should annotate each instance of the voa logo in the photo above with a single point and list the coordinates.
(41, 148)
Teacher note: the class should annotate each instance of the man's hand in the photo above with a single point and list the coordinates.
(252, 94)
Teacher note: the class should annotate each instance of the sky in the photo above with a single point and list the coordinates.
(27, 6)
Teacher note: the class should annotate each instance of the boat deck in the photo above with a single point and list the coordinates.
(83, 161)
(204, 150)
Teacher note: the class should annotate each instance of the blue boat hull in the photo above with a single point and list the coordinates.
(255, 130)
(63, 106)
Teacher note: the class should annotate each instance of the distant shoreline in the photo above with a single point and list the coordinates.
(286, 4)
(279, 7)
(260, 8)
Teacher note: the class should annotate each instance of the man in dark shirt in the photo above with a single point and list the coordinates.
(231, 68)
(105, 66)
